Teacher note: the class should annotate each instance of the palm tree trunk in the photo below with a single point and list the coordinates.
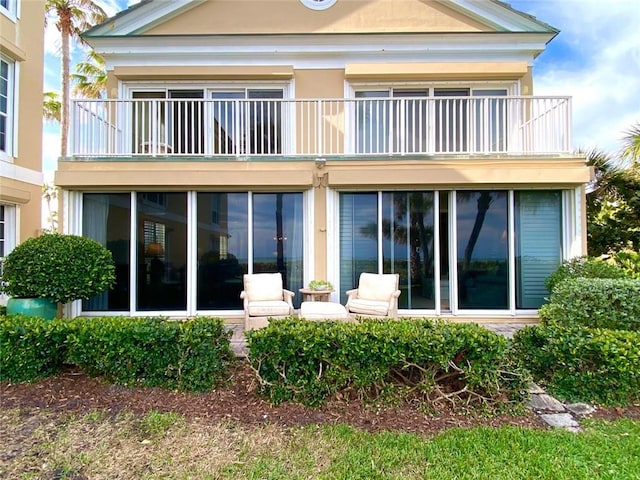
(64, 114)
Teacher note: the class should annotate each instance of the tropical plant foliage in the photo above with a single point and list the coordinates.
(613, 204)
(90, 79)
(72, 18)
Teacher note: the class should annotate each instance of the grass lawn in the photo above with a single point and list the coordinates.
(101, 446)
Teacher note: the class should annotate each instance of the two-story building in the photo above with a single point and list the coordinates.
(21, 71)
(322, 139)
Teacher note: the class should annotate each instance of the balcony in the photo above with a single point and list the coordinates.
(294, 128)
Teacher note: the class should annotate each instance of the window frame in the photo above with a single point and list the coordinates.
(8, 152)
(287, 143)
(11, 10)
(395, 90)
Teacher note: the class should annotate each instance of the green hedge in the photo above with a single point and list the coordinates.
(30, 348)
(582, 364)
(189, 355)
(594, 302)
(584, 267)
(308, 362)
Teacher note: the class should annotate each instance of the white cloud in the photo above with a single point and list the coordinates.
(596, 60)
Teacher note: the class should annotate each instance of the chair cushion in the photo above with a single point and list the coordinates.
(368, 307)
(269, 308)
(263, 286)
(322, 311)
(377, 287)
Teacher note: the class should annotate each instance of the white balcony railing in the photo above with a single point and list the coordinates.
(322, 127)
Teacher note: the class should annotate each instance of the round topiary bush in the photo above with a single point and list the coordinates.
(60, 268)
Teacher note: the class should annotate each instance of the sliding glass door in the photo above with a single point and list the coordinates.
(491, 249)
(482, 249)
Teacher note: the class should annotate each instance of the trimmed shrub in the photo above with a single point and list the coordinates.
(58, 267)
(582, 364)
(30, 348)
(309, 362)
(584, 267)
(190, 355)
(594, 302)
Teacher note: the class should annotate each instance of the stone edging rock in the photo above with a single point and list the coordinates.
(556, 414)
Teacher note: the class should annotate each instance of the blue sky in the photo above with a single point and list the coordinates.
(595, 59)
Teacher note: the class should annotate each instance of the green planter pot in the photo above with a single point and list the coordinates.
(32, 307)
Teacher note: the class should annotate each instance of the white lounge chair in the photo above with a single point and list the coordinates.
(264, 297)
(376, 296)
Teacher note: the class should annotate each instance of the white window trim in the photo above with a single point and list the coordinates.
(127, 89)
(13, 10)
(10, 151)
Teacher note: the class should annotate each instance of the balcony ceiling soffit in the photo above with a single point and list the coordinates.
(149, 13)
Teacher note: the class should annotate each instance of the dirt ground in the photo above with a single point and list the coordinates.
(75, 392)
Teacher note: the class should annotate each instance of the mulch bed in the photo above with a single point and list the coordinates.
(75, 392)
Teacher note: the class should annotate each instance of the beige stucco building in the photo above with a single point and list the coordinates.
(322, 139)
(21, 72)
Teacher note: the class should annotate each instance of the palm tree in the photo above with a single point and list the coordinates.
(72, 18)
(631, 144)
(50, 194)
(51, 106)
(90, 79)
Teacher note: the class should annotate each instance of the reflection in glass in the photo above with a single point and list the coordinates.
(278, 242)
(247, 122)
(452, 120)
(106, 219)
(408, 245)
(482, 249)
(373, 122)
(162, 251)
(222, 249)
(358, 244)
(538, 226)
(410, 121)
(490, 119)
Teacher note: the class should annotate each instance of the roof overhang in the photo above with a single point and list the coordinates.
(340, 48)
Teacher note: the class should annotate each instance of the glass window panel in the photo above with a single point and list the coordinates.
(149, 118)
(538, 225)
(491, 121)
(222, 249)
(358, 238)
(228, 121)
(106, 218)
(162, 251)
(452, 120)
(408, 245)
(186, 122)
(410, 119)
(278, 237)
(5, 103)
(265, 122)
(372, 120)
(445, 287)
(482, 249)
